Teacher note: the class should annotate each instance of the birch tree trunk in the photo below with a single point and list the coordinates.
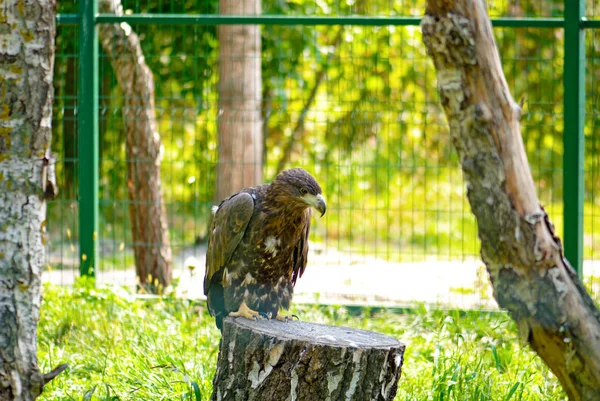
(149, 226)
(524, 258)
(26, 179)
(240, 99)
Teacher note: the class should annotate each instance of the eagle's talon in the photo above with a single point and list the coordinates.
(246, 312)
(296, 316)
(265, 315)
(283, 318)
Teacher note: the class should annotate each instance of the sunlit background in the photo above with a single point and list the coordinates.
(357, 106)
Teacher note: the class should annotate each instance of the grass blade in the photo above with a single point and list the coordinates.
(496, 358)
(197, 391)
(512, 391)
(88, 395)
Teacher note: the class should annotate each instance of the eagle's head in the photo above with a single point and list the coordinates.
(300, 189)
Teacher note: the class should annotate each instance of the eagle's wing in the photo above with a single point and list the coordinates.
(301, 249)
(226, 231)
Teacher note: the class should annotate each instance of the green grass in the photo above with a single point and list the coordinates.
(119, 347)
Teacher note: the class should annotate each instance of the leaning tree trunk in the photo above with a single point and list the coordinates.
(26, 181)
(240, 99)
(149, 227)
(298, 361)
(523, 256)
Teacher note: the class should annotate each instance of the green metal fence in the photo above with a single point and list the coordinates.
(380, 145)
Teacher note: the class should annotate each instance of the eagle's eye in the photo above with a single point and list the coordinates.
(303, 191)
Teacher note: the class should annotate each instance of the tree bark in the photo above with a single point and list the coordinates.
(297, 361)
(524, 258)
(26, 180)
(240, 99)
(149, 226)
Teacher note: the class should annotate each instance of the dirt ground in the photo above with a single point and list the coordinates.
(336, 277)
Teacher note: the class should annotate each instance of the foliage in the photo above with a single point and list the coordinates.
(120, 347)
(373, 132)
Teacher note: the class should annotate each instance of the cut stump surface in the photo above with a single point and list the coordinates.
(301, 361)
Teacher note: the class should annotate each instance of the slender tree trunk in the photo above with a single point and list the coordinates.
(26, 179)
(240, 99)
(524, 258)
(149, 227)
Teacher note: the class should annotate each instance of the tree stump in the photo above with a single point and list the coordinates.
(269, 360)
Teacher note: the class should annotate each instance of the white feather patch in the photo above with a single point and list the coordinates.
(226, 278)
(248, 279)
(271, 244)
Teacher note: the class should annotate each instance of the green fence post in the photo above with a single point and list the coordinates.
(573, 135)
(88, 136)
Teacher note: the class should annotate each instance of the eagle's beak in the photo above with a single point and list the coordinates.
(318, 202)
(321, 205)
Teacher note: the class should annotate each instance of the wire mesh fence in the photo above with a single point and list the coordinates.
(592, 160)
(356, 105)
(63, 228)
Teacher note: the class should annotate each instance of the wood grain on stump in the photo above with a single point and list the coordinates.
(299, 361)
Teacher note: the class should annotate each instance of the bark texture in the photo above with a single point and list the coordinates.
(26, 179)
(524, 258)
(297, 361)
(149, 226)
(240, 100)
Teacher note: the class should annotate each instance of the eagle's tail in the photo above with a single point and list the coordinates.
(216, 304)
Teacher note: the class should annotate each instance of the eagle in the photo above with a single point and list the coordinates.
(258, 247)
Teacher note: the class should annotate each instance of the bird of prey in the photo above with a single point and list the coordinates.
(258, 246)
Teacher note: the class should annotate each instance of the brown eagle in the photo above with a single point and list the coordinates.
(258, 246)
